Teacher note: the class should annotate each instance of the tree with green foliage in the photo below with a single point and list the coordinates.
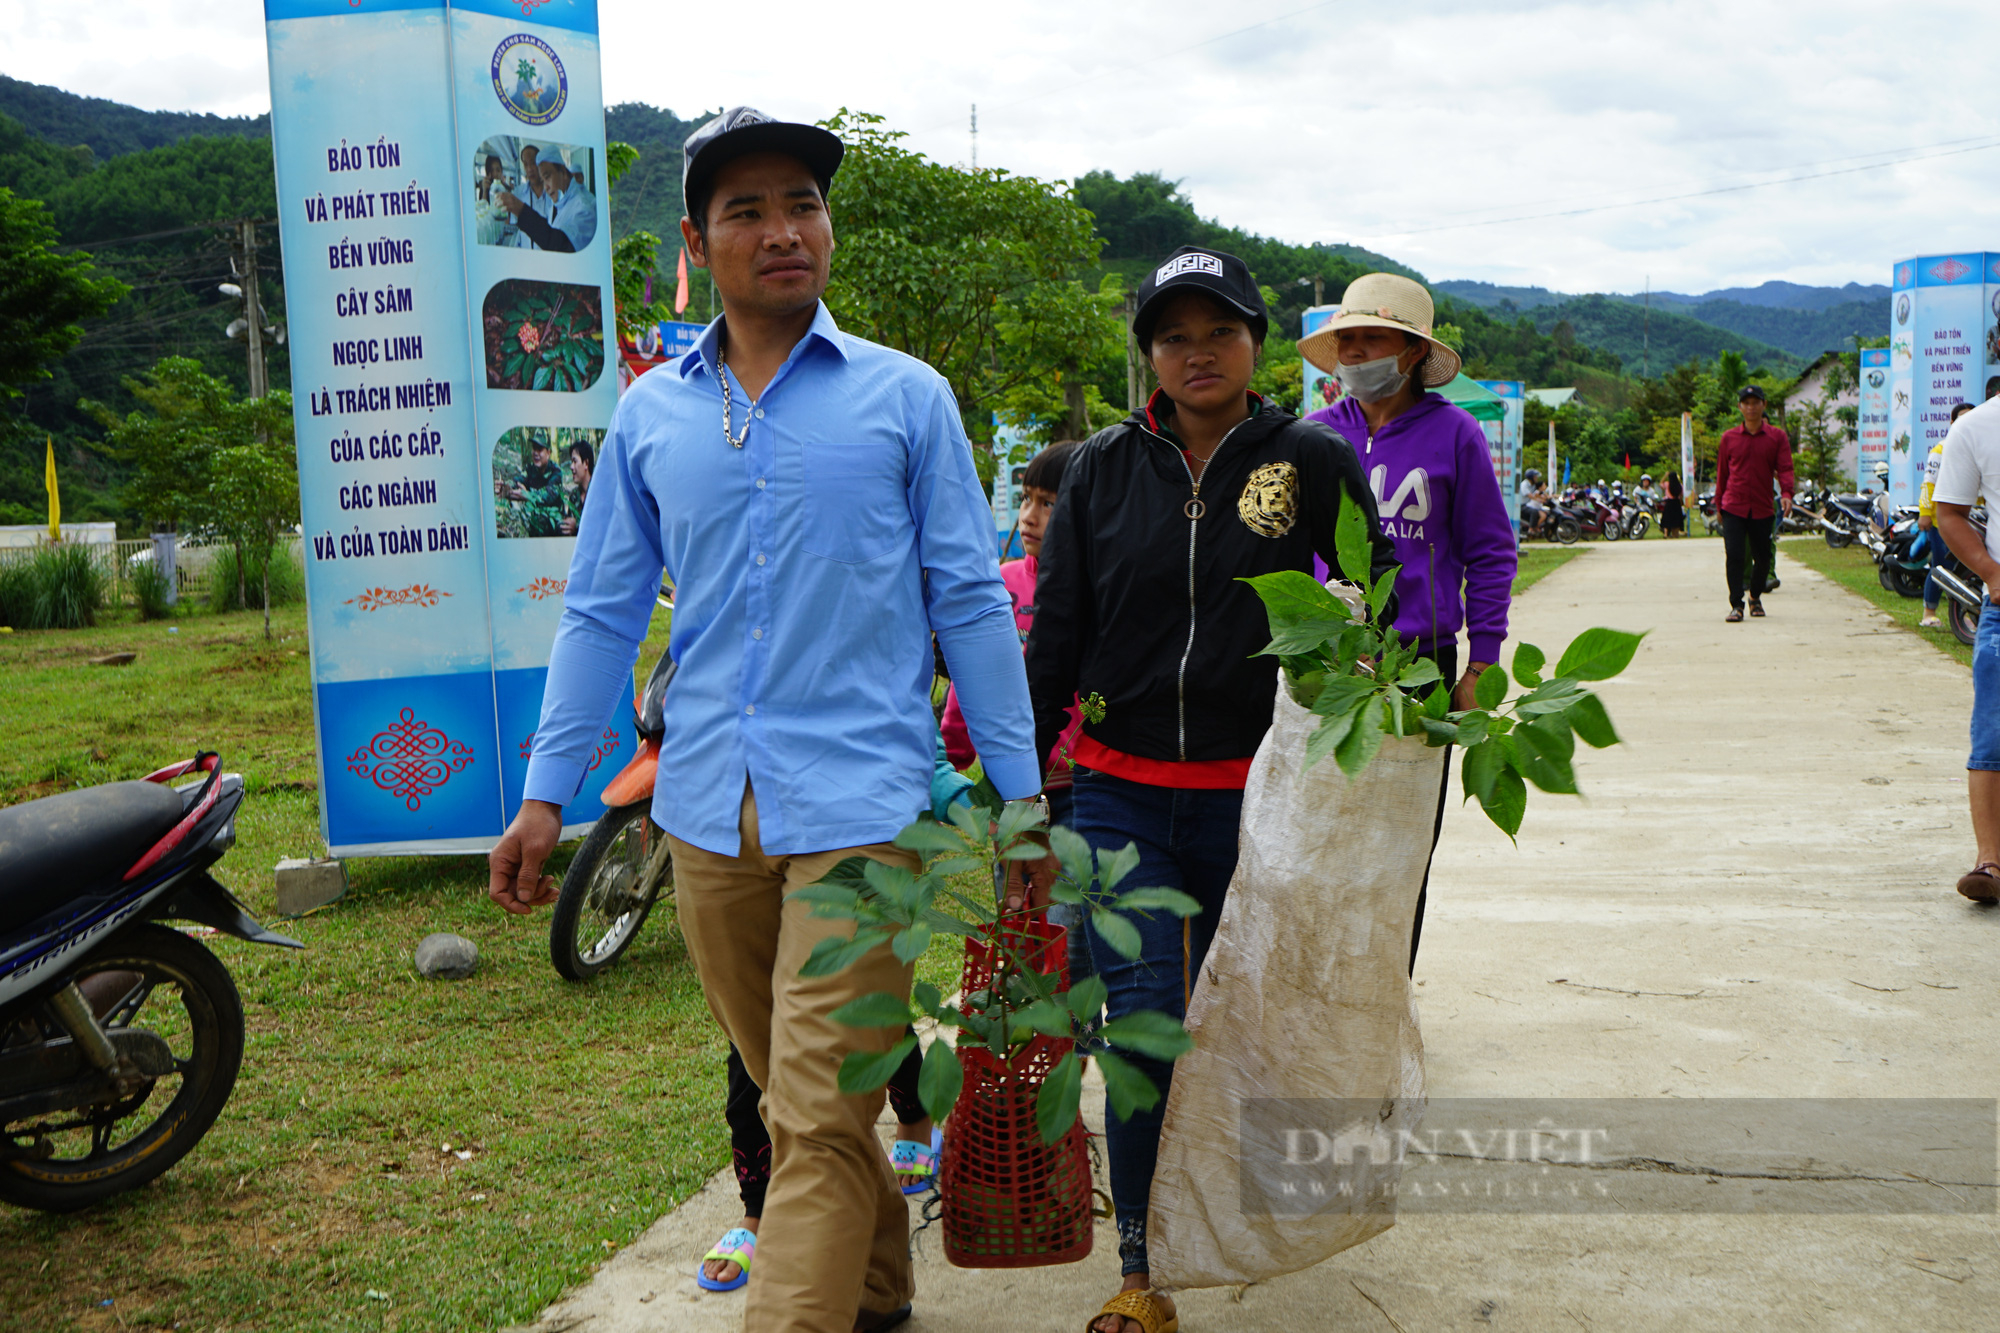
(978, 274)
(253, 498)
(635, 258)
(44, 295)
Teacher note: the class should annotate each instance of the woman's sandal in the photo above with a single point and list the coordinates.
(1142, 1308)
(737, 1246)
(916, 1165)
(1981, 883)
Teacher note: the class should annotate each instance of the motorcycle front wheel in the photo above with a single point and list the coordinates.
(1640, 525)
(1614, 531)
(1567, 531)
(1835, 539)
(152, 979)
(608, 892)
(1964, 620)
(1909, 582)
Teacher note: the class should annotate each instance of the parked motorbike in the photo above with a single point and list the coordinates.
(120, 1037)
(1842, 518)
(1964, 591)
(618, 873)
(1898, 567)
(1556, 524)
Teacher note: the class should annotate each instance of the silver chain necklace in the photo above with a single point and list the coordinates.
(728, 404)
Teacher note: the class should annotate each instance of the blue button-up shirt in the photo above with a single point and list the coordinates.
(810, 568)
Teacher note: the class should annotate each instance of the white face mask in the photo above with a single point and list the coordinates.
(1372, 381)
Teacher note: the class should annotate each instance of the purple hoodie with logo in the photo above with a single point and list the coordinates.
(1441, 504)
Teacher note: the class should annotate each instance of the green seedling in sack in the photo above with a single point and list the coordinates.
(909, 912)
(1366, 684)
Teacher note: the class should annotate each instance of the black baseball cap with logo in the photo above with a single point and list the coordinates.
(742, 130)
(1750, 391)
(1223, 276)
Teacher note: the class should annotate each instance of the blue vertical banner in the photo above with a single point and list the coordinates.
(1872, 422)
(1321, 390)
(1946, 325)
(381, 213)
(1008, 440)
(536, 240)
(1503, 439)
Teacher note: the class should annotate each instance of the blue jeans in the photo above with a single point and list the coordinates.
(1187, 841)
(1986, 692)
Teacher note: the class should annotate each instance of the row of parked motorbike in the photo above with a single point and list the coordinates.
(1902, 554)
(1579, 512)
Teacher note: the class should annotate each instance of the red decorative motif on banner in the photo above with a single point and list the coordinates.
(605, 749)
(545, 587)
(411, 759)
(1950, 270)
(417, 594)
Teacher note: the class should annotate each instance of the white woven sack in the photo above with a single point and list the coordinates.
(1305, 994)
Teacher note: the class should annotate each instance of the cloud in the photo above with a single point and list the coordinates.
(1347, 122)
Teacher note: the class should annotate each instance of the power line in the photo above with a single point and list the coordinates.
(1691, 194)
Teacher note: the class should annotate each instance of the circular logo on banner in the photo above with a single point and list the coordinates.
(1902, 310)
(528, 79)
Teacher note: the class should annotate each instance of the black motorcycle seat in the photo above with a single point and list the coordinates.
(58, 847)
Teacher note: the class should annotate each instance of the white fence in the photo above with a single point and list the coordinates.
(194, 564)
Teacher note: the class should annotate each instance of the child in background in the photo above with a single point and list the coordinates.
(1039, 486)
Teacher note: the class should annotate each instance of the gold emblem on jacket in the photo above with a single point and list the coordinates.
(1269, 504)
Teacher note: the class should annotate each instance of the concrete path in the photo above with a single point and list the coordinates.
(1754, 900)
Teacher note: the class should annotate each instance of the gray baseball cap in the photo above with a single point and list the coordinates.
(745, 129)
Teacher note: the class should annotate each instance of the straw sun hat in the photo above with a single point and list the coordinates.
(1383, 301)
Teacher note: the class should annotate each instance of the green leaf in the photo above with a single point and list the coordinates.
(1551, 696)
(1482, 767)
(1087, 997)
(1351, 541)
(930, 838)
(1472, 727)
(1116, 931)
(894, 884)
(968, 820)
(1507, 802)
(947, 866)
(1586, 714)
(1149, 1032)
(1306, 687)
(1598, 654)
(1074, 853)
(1016, 818)
(909, 945)
(1437, 704)
(1128, 1089)
(940, 1079)
(1116, 866)
(927, 998)
(829, 900)
(1056, 1103)
(947, 924)
(865, 1071)
(1422, 671)
(1491, 691)
(1378, 596)
(542, 377)
(1394, 698)
(1048, 1018)
(1544, 748)
(1171, 901)
(850, 873)
(1438, 732)
(833, 954)
(1291, 595)
(879, 1010)
(1326, 738)
(1363, 741)
(1528, 662)
(1343, 694)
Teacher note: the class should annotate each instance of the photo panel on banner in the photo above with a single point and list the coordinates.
(1007, 486)
(1503, 440)
(386, 118)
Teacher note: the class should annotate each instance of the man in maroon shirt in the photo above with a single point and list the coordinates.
(1746, 461)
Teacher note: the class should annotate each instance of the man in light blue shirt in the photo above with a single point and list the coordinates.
(813, 498)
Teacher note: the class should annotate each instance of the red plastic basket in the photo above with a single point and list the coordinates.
(1010, 1200)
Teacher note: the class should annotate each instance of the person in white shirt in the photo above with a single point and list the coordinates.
(568, 218)
(1970, 470)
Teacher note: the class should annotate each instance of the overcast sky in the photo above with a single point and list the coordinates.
(1390, 126)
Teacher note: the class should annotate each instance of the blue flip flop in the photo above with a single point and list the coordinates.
(739, 1247)
(915, 1165)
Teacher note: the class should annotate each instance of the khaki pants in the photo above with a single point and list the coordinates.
(835, 1233)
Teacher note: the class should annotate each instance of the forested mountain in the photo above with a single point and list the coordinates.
(1802, 321)
(648, 197)
(1650, 342)
(112, 129)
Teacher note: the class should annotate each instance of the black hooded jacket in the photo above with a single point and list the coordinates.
(1138, 602)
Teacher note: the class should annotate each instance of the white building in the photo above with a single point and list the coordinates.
(1810, 387)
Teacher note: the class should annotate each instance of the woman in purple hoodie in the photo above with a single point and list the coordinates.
(1427, 461)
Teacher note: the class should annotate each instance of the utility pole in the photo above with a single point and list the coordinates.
(1135, 388)
(1319, 290)
(253, 308)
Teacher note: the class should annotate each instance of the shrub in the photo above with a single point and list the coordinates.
(288, 581)
(153, 589)
(58, 587)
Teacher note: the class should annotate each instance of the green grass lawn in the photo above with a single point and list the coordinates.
(1539, 561)
(1853, 570)
(324, 1198)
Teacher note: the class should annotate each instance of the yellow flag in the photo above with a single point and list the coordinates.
(55, 495)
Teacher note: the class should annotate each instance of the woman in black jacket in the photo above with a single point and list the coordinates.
(1138, 604)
